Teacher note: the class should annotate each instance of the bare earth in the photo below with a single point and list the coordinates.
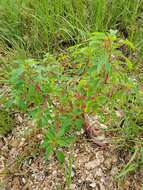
(93, 167)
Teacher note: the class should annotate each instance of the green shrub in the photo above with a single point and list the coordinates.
(90, 78)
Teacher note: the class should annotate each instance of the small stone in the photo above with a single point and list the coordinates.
(54, 173)
(82, 131)
(39, 136)
(92, 164)
(79, 181)
(92, 185)
(23, 180)
(72, 173)
(103, 126)
(78, 133)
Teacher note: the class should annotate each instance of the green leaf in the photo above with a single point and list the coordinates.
(51, 133)
(60, 156)
(98, 36)
(77, 111)
(108, 67)
(9, 103)
(15, 74)
(78, 124)
(62, 131)
(66, 121)
(49, 151)
(65, 141)
(129, 63)
(35, 113)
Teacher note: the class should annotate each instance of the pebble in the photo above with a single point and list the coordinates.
(23, 180)
(79, 181)
(92, 164)
(92, 185)
(54, 173)
(72, 173)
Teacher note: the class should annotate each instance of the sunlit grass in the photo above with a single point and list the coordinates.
(38, 26)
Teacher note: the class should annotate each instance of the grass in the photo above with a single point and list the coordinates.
(39, 26)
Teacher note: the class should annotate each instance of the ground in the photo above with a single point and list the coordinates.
(91, 167)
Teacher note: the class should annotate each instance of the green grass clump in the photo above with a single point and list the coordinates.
(39, 26)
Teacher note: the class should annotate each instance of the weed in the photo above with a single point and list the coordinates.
(58, 92)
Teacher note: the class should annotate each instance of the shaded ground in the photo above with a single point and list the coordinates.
(22, 164)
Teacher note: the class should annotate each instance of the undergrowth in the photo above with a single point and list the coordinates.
(90, 78)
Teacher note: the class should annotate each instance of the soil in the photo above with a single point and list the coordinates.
(93, 167)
